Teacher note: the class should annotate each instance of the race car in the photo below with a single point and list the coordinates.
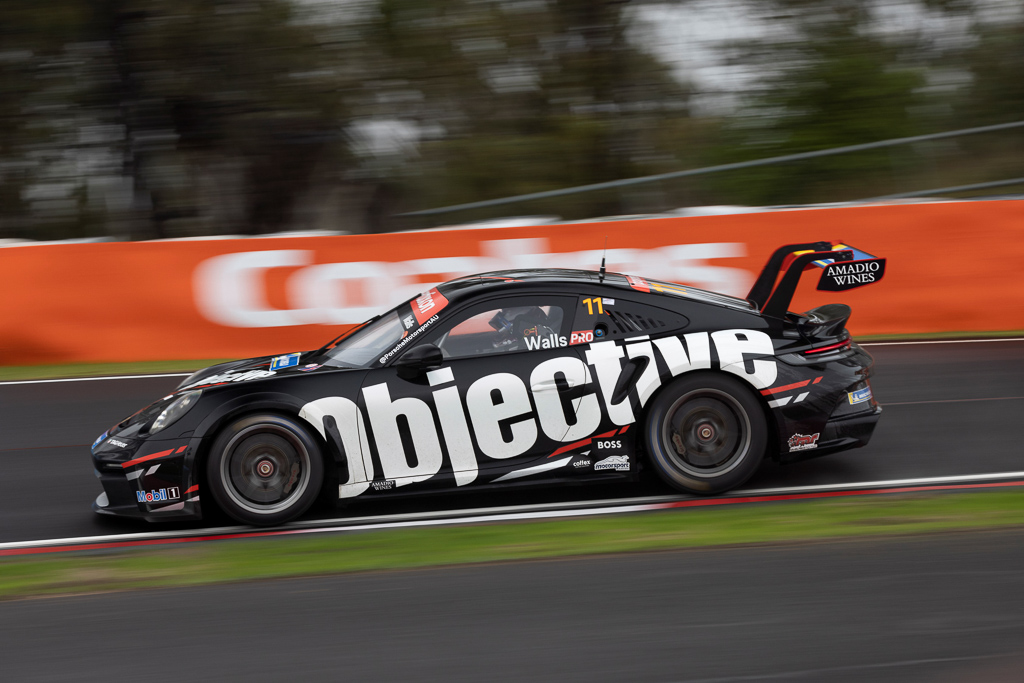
(509, 378)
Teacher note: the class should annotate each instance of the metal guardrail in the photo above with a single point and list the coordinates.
(955, 188)
(740, 165)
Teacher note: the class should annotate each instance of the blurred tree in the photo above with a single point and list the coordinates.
(232, 90)
(834, 83)
(996, 61)
(994, 94)
(36, 117)
(521, 96)
(207, 116)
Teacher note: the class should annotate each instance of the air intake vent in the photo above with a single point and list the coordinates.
(627, 318)
(632, 323)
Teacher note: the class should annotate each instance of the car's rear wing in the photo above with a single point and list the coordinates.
(843, 267)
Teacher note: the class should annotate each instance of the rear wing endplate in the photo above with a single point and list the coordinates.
(843, 267)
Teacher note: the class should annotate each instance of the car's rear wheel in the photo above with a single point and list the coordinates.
(706, 434)
(264, 469)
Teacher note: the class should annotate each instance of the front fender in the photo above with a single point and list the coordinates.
(225, 412)
(248, 403)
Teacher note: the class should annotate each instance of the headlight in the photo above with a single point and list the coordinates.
(174, 411)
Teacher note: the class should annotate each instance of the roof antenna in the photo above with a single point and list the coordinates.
(600, 273)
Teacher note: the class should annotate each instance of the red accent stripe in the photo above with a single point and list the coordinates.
(623, 430)
(777, 390)
(193, 488)
(144, 458)
(818, 379)
(570, 447)
(579, 444)
(656, 506)
(830, 347)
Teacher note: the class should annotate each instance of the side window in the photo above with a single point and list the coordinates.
(616, 318)
(505, 326)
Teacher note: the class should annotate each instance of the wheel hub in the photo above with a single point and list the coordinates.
(706, 432)
(265, 469)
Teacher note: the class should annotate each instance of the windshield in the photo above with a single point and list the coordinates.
(368, 344)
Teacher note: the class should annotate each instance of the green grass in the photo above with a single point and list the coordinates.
(333, 553)
(153, 367)
(927, 336)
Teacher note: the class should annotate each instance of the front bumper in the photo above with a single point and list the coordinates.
(151, 480)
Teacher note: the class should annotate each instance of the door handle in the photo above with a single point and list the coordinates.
(552, 385)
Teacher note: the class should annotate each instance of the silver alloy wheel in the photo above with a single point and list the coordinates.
(706, 432)
(265, 469)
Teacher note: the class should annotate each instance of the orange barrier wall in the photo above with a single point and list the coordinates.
(951, 267)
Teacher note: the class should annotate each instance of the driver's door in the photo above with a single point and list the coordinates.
(509, 392)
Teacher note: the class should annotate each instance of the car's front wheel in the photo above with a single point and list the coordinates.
(264, 469)
(706, 433)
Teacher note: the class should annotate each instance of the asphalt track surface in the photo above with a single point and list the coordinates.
(950, 409)
(947, 608)
(940, 609)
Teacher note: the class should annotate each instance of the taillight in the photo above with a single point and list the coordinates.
(839, 346)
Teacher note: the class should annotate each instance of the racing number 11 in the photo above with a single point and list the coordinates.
(590, 305)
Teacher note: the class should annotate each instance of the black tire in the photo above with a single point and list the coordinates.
(705, 433)
(264, 470)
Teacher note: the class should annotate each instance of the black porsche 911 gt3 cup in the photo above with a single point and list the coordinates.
(512, 377)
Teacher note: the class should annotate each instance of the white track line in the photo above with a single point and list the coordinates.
(94, 379)
(498, 514)
(955, 400)
(186, 374)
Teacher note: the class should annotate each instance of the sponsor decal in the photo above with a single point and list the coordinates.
(553, 341)
(502, 415)
(843, 275)
(428, 305)
(158, 495)
(859, 396)
(408, 322)
(310, 367)
(581, 463)
(117, 442)
(99, 439)
(608, 443)
(609, 302)
(803, 442)
(231, 377)
(638, 283)
(385, 485)
(584, 337)
(619, 463)
(405, 340)
(548, 341)
(233, 289)
(281, 362)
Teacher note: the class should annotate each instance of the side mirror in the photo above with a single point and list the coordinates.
(418, 360)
